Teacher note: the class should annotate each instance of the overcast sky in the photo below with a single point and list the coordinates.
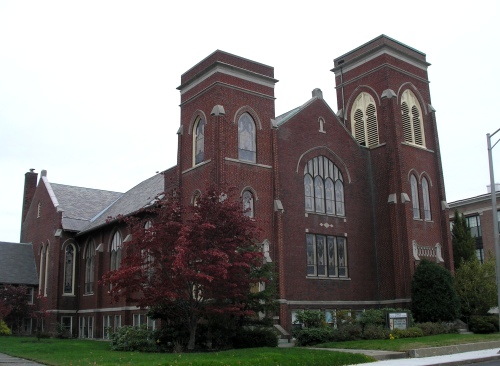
(88, 88)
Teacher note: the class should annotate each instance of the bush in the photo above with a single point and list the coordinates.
(348, 332)
(375, 332)
(372, 317)
(4, 329)
(433, 294)
(311, 318)
(412, 332)
(130, 338)
(483, 324)
(430, 328)
(312, 336)
(253, 338)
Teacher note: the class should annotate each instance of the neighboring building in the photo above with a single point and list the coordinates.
(17, 268)
(349, 202)
(477, 213)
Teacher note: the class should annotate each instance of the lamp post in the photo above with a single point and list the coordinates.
(494, 216)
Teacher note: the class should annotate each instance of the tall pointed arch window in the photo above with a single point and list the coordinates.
(414, 197)
(426, 199)
(199, 141)
(364, 120)
(411, 114)
(248, 203)
(89, 266)
(247, 150)
(323, 187)
(41, 275)
(46, 277)
(69, 269)
(116, 251)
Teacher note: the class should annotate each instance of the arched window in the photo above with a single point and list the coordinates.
(69, 269)
(147, 257)
(89, 266)
(426, 199)
(116, 251)
(196, 198)
(364, 120)
(46, 277)
(42, 262)
(414, 197)
(199, 141)
(411, 114)
(247, 150)
(323, 187)
(248, 203)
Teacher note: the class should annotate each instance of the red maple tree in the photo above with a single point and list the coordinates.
(186, 263)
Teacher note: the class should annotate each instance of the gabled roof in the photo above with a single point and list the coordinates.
(17, 264)
(80, 205)
(133, 200)
(288, 115)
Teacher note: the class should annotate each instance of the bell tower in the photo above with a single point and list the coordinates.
(383, 99)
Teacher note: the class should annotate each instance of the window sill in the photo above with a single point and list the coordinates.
(417, 146)
(324, 214)
(69, 295)
(328, 278)
(88, 294)
(197, 166)
(248, 163)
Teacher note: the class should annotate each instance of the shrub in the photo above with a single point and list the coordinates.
(483, 324)
(375, 332)
(430, 328)
(312, 336)
(373, 317)
(253, 338)
(433, 294)
(311, 318)
(348, 332)
(4, 329)
(129, 338)
(61, 332)
(412, 332)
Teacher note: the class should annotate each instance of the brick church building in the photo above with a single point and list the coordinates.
(349, 201)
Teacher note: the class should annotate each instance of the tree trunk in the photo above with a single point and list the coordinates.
(192, 334)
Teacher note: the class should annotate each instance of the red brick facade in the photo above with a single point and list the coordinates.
(372, 235)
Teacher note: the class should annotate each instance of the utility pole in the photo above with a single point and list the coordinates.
(494, 216)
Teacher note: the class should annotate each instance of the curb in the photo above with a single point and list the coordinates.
(449, 350)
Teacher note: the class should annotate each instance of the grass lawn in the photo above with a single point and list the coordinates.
(84, 352)
(405, 344)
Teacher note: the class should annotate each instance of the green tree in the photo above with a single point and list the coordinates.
(475, 284)
(464, 246)
(433, 294)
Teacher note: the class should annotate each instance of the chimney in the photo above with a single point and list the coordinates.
(30, 180)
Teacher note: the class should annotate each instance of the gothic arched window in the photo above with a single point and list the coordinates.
(247, 150)
(426, 199)
(116, 251)
(411, 114)
(69, 269)
(323, 187)
(248, 203)
(199, 141)
(364, 123)
(414, 197)
(89, 266)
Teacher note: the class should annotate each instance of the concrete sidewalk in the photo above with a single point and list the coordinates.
(450, 355)
(15, 361)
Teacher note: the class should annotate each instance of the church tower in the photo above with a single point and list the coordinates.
(226, 136)
(384, 100)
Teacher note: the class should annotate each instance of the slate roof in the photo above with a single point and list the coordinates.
(17, 264)
(136, 198)
(80, 205)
